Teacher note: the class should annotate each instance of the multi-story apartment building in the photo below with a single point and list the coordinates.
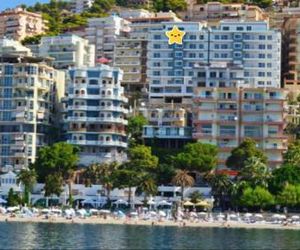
(8, 46)
(214, 12)
(291, 54)
(226, 110)
(131, 48)
(29, 92)
(97, 114)
(249, 44)
(18, 23)
(79, 6)
(68, 51)
(103, 32)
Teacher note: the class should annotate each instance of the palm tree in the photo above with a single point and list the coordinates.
(255, 172)
(72, 175)
(183, 179)
(28, 178)
(221, 186)
(148, 186)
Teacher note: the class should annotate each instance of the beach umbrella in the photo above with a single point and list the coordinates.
(295, 217)
(202, 204)
(248, 215)
(221, 216)
(151, 202)
(2, 201)
(152, 213)
(162, 214)
(137, 202)
(164, 203)
(81, 212)
(258, 216)
(12, 209)
(104, 211)
(120, 201)
(134, 214)
(232, 215)
(2, 210)
(193, 214)
(188, 204)
(202, 213)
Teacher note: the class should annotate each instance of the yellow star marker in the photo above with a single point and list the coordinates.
(175, 35)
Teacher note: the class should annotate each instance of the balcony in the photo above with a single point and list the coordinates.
(98, 108)
(99, 143)
(167, 132)
(20, 154)
(98, 119)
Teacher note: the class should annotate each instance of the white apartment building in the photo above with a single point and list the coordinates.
(68, 51)
(8, 46)
(131, 48)
(29, 90)
(79, 6)
(103, 32)
(97, 114)
(251, 45)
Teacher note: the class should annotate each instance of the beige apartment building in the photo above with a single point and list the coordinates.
(214, 12)
(18, 23)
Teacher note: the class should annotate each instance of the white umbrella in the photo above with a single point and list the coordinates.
(258, 216)
(45, 211)
(134, 214)
(2, 201)
(164, 203)
(2, 210)
(81, 212)
(276, 216)
(221, 216)
(104, 211)
(120, 201)
(248, 215)
(202, 213)
(193, 214)
(151, 202)
(12, 209)
(295, 217)
(152, 213)
(137, 202)
(162, 214)
(232, 215)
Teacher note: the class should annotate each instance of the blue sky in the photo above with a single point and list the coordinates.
(12, 3)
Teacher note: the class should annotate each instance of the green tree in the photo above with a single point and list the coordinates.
(244, 151)
(28, 178)
(32, 39)
(289, 196)
(132, 173)
(183, 179)
(141, 158)
(221, 186)
(60, 158)
(101, 6)
(255, 172)
(256, 198)
(165, 173)
(287, 174)
(53, 184)
(292, 155)
(198, 157)
(166, 5)
(148, 186)
(135, 129)
(262, 3)
(196, 196)
(13, 198)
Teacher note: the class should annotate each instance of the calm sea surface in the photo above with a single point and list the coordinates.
(74, 236)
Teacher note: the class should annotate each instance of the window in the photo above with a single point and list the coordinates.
(225, 28)
(261, 37)
(261, 46)
(156, 46)
(261, 56)
(192, 46)
(249, 28)
(156, 55)
(261, 65)
(201, 46)
(157, 37)
(193, 37)
(261, 74)
(239, 28)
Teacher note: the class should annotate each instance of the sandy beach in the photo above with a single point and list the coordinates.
(113, 221)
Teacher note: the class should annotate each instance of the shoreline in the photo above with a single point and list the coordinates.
(134, 222)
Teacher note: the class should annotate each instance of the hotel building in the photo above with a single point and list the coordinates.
(249, 44)
(103, 32)
(18, 23)
(131, 47)
(291, 54)
(30, 90)
(214, 12)
(68, 51)
(230, 110)
(97, 114)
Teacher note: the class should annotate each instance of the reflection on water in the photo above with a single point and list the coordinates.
(63, 236)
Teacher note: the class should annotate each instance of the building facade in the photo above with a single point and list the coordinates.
(97, 114)
(29, 90)
(103, 32)
(8, 46)
(214, 12)
(68, 51)
(230, 110)
(291, 54)
(79, 6)
(250, 44)
(131, 47)
(18, 23)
